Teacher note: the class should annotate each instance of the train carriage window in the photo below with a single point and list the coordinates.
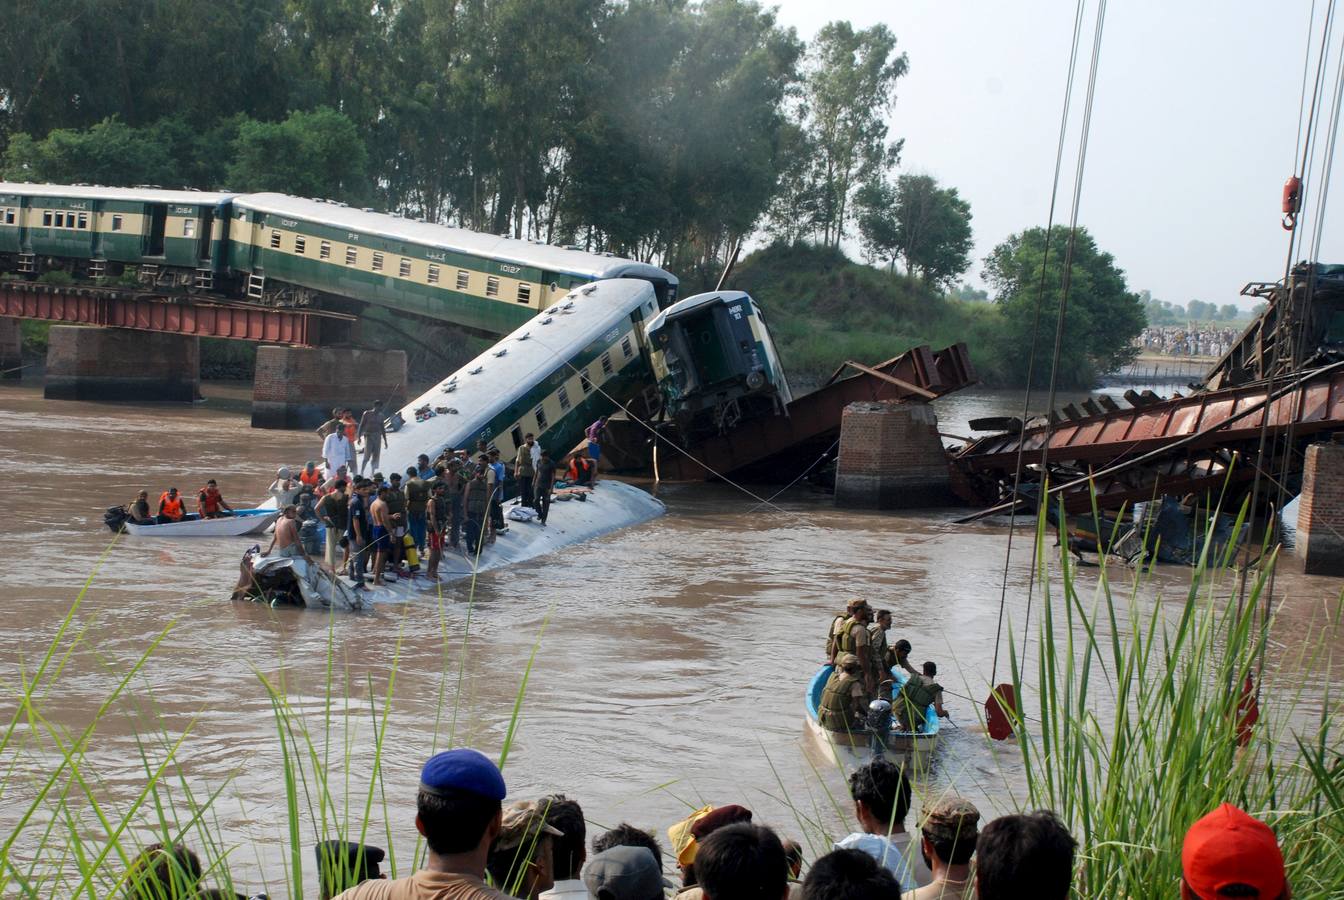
(324, 250)
(300, 245)
(625, 347)
(9, 217)
(463, 279)
(606, 363)
(117, 223)
(188, 227)
(60, 220)
(275, 240)
(563, 396)
(517, 435)
(524, 293)
(83, 220)
(46, 218)
(433, 274)
(540, 415)
(351, 256)
(585, 382)
(404, 270)
(377, 262)
(491, 286)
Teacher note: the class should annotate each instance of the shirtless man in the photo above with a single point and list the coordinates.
(286, 540)
(382, 533)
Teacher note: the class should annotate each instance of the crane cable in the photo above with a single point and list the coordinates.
(1035, 325)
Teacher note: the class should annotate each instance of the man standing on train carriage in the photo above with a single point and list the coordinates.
(544, 485)
(525, 471)
(373, 431)
(417, 500)
(436, 523)
(338, 452)
(596, 434)
(396, 515)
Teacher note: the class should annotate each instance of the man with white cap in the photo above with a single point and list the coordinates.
(459, 811)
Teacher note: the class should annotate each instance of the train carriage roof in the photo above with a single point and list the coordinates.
(542, 256)
(98, 192)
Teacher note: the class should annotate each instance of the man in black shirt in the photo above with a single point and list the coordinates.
(545, 483)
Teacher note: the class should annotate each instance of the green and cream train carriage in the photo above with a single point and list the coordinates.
(294, 250)
(175, 238)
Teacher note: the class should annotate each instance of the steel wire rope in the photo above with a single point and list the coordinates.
(1061, 319)
(1302, 161)
(1035, 324)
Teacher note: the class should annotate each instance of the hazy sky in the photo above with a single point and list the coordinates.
(1192, 133)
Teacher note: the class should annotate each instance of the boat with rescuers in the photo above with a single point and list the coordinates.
(241, 522)
(851, 742)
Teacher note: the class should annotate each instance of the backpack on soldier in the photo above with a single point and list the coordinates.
(833, 638)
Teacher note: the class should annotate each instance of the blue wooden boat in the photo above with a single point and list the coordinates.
(852, 749)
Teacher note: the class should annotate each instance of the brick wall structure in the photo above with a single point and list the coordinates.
(1320, 513)
(294, 387)
(11, 349)
(891, 457)
(121, 364)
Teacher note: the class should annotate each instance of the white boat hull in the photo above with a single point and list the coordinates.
(914, 750)
(249, 521)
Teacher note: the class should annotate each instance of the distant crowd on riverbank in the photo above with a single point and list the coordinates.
(1178, 340)
(478, 848)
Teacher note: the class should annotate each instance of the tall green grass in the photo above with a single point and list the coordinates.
(1128, 782)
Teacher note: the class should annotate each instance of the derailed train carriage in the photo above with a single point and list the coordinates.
(716, 363)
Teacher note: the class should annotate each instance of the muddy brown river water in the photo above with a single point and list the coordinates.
(670, 658)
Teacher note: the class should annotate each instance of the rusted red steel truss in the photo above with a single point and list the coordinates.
(177, 314)
(813, 420)
(1175, 446)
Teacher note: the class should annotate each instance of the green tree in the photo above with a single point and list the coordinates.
(1102, 319)
(111, 153)
(849, 88)
(1228, 312)
(927, 226)
(312, 154)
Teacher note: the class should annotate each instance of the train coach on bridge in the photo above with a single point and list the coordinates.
(176, 239)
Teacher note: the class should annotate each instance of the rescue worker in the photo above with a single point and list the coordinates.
(832, 636)
(436, 523)
(210, 502)
(139, 509)
(854, 638)
(171, 507)
(476, 505)
(900, 652)
(844, 704)
(883, 658)
(914, 697)
(311, 476)
(525, 471)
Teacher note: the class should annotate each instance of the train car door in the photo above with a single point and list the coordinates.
(158, 221)
(204, 234)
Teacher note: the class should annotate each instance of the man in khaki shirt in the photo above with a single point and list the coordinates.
(459, 812)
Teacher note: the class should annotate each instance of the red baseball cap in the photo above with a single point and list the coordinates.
(1229, 847)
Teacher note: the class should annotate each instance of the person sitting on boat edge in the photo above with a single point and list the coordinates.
(881, 795)
(844, 702)
(458, 809)
(914, 697)
(210, 503)
(286, 541)
(171, 507)
(138, 509)
(947, 843)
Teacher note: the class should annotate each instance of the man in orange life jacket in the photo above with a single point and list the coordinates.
(210, 502)
(171, 507)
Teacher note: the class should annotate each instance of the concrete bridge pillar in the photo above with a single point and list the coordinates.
(297, 387)
(121, 364)
(1320, 513)
(891, 457)
(11, 349)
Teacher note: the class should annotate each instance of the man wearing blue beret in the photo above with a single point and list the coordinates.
(458, 810)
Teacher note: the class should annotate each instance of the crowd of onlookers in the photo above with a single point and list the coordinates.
(479, 848)
(1180, 340)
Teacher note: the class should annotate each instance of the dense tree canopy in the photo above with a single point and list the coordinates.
(1102, 317)
(927, 226)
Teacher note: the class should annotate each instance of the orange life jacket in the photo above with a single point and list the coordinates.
(312, 479)
(172, 508)
(210, 498)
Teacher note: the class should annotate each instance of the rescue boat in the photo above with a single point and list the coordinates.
(852, 749)
(243, 521)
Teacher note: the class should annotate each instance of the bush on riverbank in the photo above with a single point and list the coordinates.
(823, 309)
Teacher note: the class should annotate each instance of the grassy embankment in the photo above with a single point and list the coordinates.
(823, 309)
(1128, 784)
